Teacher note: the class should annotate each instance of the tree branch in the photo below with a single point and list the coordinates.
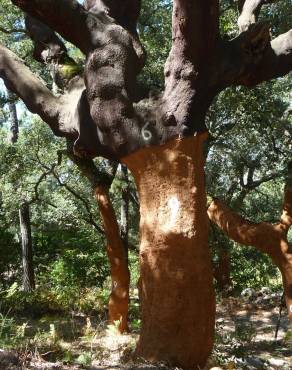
(252, 58)
(47, 45)
(36, 96)
(239, 229)
(250, 10)
(87, 167)
(195, 33)
(67, 17)
(12, 30)
(275, 62)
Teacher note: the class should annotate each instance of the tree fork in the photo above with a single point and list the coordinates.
(176, 283)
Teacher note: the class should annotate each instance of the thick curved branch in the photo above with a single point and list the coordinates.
(36, 96)
(67, 17)
(47, 45)
(250, 10)
(276, 61)
(252, 58)
(241, 230)
(87, 167)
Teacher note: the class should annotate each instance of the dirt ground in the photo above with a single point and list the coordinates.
(244, 340)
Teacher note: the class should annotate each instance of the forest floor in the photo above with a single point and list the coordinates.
(244, 340)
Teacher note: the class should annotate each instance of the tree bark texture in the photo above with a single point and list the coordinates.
(106, 32)
(14, 125)
(26, 244)
(176, 283)
(119, 298)
(268, 238)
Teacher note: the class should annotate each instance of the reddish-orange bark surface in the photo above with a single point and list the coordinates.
(176, 284)
(119, 298)
(268, 238)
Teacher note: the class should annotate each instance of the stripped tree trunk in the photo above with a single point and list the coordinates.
(119, 298)
(174, 253)
(124, 224)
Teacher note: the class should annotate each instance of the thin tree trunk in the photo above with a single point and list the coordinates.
(222, 272)
(120, 275)
(26, 244)
(14, 125)
(176, 284)
(124, 224)
(28, 278)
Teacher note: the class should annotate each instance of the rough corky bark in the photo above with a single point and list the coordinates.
(100, 112)
(105, 32)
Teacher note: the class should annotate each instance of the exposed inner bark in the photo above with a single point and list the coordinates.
(176, 284)
(268, 238)
(119, 298)
(125, 193)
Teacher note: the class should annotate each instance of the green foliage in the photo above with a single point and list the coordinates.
(154, 30)
(252, 269)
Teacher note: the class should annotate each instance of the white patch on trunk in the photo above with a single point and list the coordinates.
(290, 308)
(173, 205)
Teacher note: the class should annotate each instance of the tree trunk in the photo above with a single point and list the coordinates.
(286, 271)
(176, 284)
(26, 243)
(119, 298)
(13, 118)
(124, 226)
